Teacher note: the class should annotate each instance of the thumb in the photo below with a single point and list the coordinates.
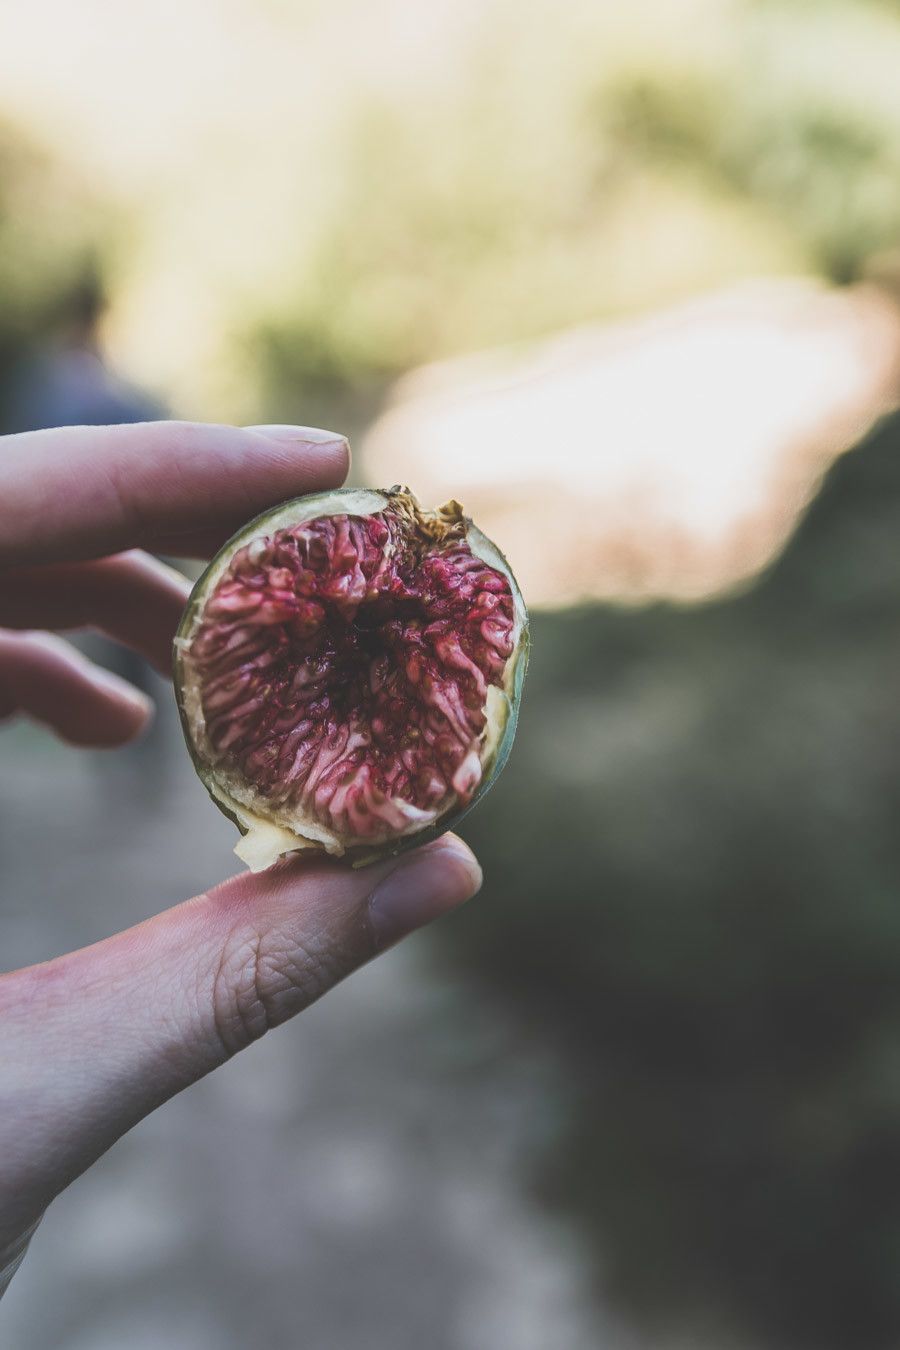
(95, 1040)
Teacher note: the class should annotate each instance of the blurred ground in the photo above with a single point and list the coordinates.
(699, 844)
(356, 1180)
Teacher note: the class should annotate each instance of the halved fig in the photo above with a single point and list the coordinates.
(348, 671)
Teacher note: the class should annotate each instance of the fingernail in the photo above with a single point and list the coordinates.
(292, 435)
(422, 887)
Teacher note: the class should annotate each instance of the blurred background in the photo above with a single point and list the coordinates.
(625, 279)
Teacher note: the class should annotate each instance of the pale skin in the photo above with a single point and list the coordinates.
(93, 1041)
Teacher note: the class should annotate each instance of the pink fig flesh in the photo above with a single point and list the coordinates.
(343, 665)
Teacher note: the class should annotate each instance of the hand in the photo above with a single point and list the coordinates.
(93, 1041)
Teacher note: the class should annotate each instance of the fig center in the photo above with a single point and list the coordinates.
(345, 664)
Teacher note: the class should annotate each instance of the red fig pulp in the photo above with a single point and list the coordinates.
(348, 672)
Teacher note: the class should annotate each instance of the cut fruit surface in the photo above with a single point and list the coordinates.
(348, 673)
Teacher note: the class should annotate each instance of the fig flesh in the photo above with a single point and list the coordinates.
(348, 672)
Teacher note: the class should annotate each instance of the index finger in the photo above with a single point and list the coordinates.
(82, 492)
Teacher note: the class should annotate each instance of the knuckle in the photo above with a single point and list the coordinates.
(264, 978)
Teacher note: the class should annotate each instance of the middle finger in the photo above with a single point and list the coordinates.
(130, 597)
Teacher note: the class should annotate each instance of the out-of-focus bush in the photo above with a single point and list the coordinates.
(598, 164)
(693, 868)
(397, 183)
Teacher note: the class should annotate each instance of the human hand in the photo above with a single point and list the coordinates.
(93, 1041)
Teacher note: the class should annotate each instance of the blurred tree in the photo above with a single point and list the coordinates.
(665, 152)
(833, 175)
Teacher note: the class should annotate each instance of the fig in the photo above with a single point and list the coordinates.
(348, 672)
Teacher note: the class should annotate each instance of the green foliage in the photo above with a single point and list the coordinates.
(833, 175)
(607, 169)
(793, 107)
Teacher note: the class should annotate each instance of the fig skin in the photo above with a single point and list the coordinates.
(362, 503)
